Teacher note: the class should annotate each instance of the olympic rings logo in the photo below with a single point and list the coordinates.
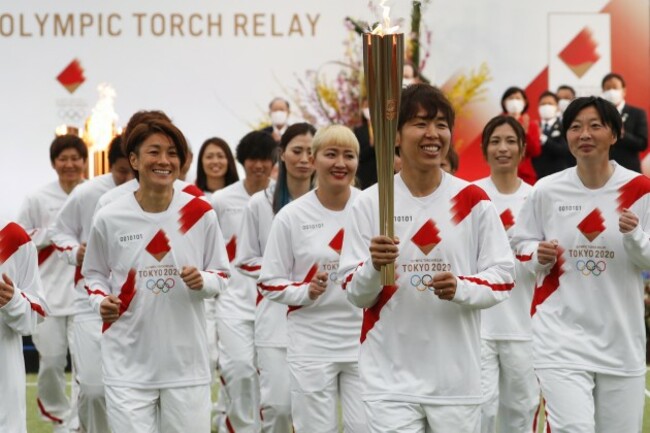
(334, 278)
(591, 267)
(160, 285)
(70, 114)
(422, 282)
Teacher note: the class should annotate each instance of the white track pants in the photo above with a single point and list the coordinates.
(275, 390)
(87, 359)
(167, 410)
(401, 417)
(315, 389)
(509, 386)
(52, 338)
(239, 374)
(584, 402)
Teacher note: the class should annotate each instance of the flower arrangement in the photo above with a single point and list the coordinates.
(334, 91)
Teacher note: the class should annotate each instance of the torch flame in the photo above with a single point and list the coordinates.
(385, 27)
(100, 126)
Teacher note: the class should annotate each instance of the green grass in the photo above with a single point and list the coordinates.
(36, 425)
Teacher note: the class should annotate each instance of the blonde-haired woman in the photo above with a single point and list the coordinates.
(300, 270)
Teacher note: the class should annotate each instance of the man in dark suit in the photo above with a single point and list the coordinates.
(635, 124)
(279, 113)
(555, 154)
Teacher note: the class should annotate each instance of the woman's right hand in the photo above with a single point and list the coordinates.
(383, 251)
(109, 309)
(547, 252)
(317, 285)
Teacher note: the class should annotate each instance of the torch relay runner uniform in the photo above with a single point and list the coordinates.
(323, 334)
(420, 356)
(587, 310)
(179, 185)
(236, 320)
(155, 356)
(18, 317)
(270, 317)
(70, 230)
(508, 380)
(53, 336)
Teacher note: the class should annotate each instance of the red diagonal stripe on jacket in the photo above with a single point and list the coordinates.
(126, 296)
(497, 287)
(77, 274)
(259, 298)
(347, 280)
(194, 190)
(35, 306)
(632, 191)
(465, 200)
(371, 315)
(231, 248)
(45, 254)
(550, 284)
(192, 212)
(12, 237)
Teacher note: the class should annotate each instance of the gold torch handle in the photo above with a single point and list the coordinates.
(383, 61)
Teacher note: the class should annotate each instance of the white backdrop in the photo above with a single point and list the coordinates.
(220, 84)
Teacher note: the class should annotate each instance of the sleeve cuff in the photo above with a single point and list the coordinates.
(13, 303)
(211, 286)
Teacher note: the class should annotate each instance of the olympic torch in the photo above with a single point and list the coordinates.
(383, 64)
(99, 130)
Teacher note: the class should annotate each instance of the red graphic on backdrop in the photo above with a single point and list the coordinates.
(581, 53)
(592, 225)
(72, 76)
(427, 237)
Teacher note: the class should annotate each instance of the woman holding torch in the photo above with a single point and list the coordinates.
(419, 359)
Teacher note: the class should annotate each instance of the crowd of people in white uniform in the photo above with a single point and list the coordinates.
(508, 297)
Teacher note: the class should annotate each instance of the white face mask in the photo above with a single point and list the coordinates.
(615, 96)
(547, 111)
(515, 106)
(366, 113)
(279, 118)
(407, 82)
(562, 104)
